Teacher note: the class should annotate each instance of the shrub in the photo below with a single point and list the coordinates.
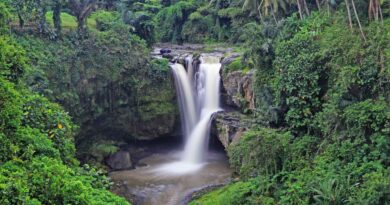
(302, 74)
(13, 61)
(261, 151)
(170, 21)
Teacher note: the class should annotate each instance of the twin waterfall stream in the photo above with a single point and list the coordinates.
(170, 176)
(198, 94)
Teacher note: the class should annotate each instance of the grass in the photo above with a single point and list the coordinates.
(69, 22)
(235, 193)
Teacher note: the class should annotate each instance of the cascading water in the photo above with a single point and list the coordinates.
(198, 94)
(207, 88)
(186, 98)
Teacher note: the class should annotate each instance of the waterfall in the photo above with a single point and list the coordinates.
(198, 97)
(185, 97)
(207, 97)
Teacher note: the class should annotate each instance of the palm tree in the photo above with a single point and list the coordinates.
(299, 8)
(349, 14)
(252, 6)
(358, 20)
(302, 5)
(265, 7)
(374, 10)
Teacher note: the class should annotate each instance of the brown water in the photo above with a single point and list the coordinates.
(149, 185)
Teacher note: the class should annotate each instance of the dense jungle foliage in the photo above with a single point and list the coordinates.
(321, 127)
(37, 150)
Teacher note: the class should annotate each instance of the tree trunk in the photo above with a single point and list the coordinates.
(358, 20)
(273, 15)
(81, 25)
(374, 10)
(82, 10)
(306, 8)
(42, 20)
(318, 5)
(349, 14)
(57, 18)
(299, 9)
(328, 5)
(376, 7)
(380, 14)
(21, 20)
(370, 10)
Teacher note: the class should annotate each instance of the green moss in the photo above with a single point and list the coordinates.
(156, 109)
(236, 65)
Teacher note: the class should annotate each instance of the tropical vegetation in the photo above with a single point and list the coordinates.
(320, 131)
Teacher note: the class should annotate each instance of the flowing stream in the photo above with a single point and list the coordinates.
(170, 176)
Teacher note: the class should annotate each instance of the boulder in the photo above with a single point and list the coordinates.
(168, 56)
(165, 50)
(119, 160)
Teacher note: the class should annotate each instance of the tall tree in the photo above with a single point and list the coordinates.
(82, 9)
(264, 7)
(41, 6)
(349, 14)
(300, 9)
(23, 10)
(358, 20)
(302, 6)
(374, 10)
(318, 5)
(57, 16)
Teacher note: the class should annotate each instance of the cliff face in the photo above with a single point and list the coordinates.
(147, 113)
(239, 92)
(238, 102)
(229, 127)
(237, 86)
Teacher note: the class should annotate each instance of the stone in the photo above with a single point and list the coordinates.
(168, 56)
(165, 50)
(119, 161)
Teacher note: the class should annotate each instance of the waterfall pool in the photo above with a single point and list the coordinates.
(155, 184)
(168, 178)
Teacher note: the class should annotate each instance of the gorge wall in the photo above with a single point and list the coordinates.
(237, 100)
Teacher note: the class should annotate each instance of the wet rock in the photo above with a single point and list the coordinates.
(165, 50)
(168, 56)
(229, 127)
(119, 160)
